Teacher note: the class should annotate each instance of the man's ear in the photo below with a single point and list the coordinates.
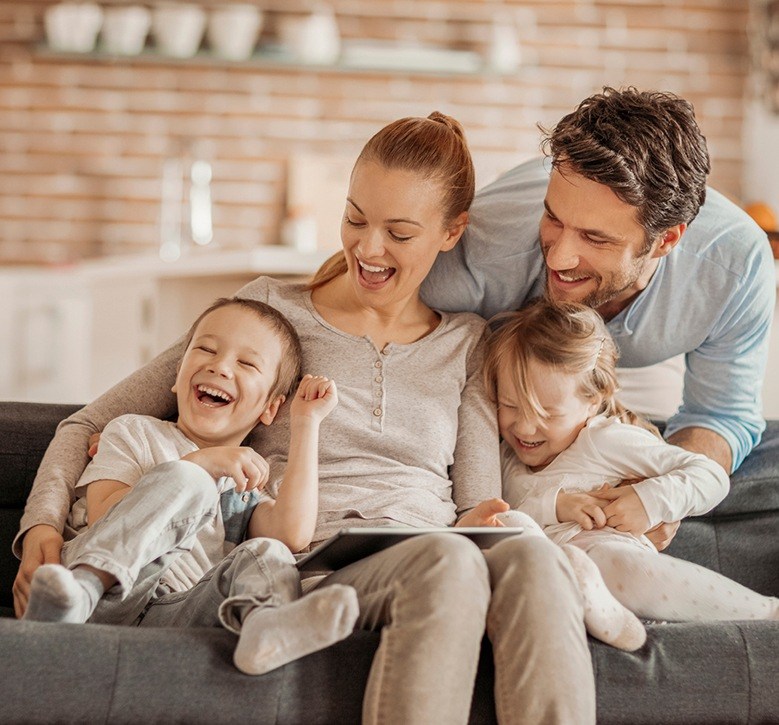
(267, 415)
(669, 239)
(454, 231)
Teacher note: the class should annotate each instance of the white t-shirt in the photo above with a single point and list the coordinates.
(677, 483)
(130, 446)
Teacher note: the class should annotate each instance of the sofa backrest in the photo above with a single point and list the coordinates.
(25, 432)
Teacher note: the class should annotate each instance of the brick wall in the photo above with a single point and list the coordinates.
(83, 140)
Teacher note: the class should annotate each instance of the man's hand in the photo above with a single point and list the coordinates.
(315, 398)
(485, 513)
(581, 508)
(624, 510)
(244, 465)
(662, 534)
(41, 544)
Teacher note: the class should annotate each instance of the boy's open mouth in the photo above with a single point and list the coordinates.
(212, 397)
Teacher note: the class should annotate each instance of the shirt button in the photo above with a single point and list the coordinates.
(245, 498)
(377, 364)
(378, 378)
(377, 412)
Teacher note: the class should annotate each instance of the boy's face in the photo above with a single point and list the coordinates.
(225, 377)
(538, 441)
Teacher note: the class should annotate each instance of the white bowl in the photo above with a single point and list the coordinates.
(72, 27)
(178, 28)
(233, 30)
(125, 29)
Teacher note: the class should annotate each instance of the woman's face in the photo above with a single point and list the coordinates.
(392, 230)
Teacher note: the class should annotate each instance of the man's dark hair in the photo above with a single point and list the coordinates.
(291, 363)
(644, 145)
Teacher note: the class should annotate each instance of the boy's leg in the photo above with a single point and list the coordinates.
(429, 596)
(543, 671)
(255, 592)
(658, 586)
(135, 541)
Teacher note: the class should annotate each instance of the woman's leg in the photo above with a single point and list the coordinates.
(429, 596)
(254, 592)
(658, 586)
(134, 542)
(543, 671)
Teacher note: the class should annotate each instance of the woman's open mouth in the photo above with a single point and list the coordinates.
(372, 275)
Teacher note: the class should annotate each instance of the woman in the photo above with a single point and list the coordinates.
(412, 442)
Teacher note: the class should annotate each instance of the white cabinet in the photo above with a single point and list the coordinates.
(66, 336)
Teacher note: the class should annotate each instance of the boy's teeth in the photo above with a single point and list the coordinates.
(214, 393)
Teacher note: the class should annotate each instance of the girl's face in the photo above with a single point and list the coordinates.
(392, 230)
(538, 441)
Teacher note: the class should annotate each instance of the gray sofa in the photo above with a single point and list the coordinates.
(686, 673)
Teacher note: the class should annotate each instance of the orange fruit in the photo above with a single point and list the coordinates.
(763, 215)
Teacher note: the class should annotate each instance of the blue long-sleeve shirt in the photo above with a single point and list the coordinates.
(712, 298)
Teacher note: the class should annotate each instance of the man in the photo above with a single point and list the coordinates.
(613, 221)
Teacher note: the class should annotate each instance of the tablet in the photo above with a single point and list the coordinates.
(350, 545)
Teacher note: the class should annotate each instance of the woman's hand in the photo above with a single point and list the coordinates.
(624, 510)
(581, 508)
(42, 544)
(244, 465)
(485, 513)
(662, 535)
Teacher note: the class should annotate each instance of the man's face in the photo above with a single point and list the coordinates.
(595, 249)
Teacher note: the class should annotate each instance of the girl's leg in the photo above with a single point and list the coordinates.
(134, 542)
(429, 596)
(658, 586)
(604, 617)
(543, 670)
(254, 592)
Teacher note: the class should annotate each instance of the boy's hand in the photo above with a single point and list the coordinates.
(244, 465)
(624, 510)
(485, 513)
(42, 544)
(315, 398)
(581, 508)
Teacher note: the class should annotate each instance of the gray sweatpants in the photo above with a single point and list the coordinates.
(157, 521)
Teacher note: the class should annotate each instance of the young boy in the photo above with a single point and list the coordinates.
(151, 544)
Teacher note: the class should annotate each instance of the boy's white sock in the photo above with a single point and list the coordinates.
(58, 594)
(273, 636)
(605, 618)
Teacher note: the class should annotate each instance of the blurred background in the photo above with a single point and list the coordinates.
(154, 154)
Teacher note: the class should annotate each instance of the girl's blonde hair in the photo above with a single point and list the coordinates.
(568, 337)
(433, 147)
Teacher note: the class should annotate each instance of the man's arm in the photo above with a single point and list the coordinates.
(705, 441)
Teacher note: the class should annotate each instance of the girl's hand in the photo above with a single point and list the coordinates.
(244, 465)
(624, 510)
(315, 398)
(485, 513)
(581, 508)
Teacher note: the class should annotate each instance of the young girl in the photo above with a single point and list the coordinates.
(567, 444)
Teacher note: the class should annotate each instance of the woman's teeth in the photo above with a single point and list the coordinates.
(530, 444)
(370, 268)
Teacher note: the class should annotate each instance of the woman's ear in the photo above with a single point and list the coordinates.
(267, 416)
(454, 231)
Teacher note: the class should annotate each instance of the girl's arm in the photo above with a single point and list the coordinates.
(291, 518)
(677, 483)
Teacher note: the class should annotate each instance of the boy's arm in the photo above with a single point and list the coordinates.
(101, 495)
(291, 518)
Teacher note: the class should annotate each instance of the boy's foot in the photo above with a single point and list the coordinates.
(604, 617)
(273, 636)
(58, 594)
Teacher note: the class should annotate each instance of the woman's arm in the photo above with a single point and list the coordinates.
(475, 472)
